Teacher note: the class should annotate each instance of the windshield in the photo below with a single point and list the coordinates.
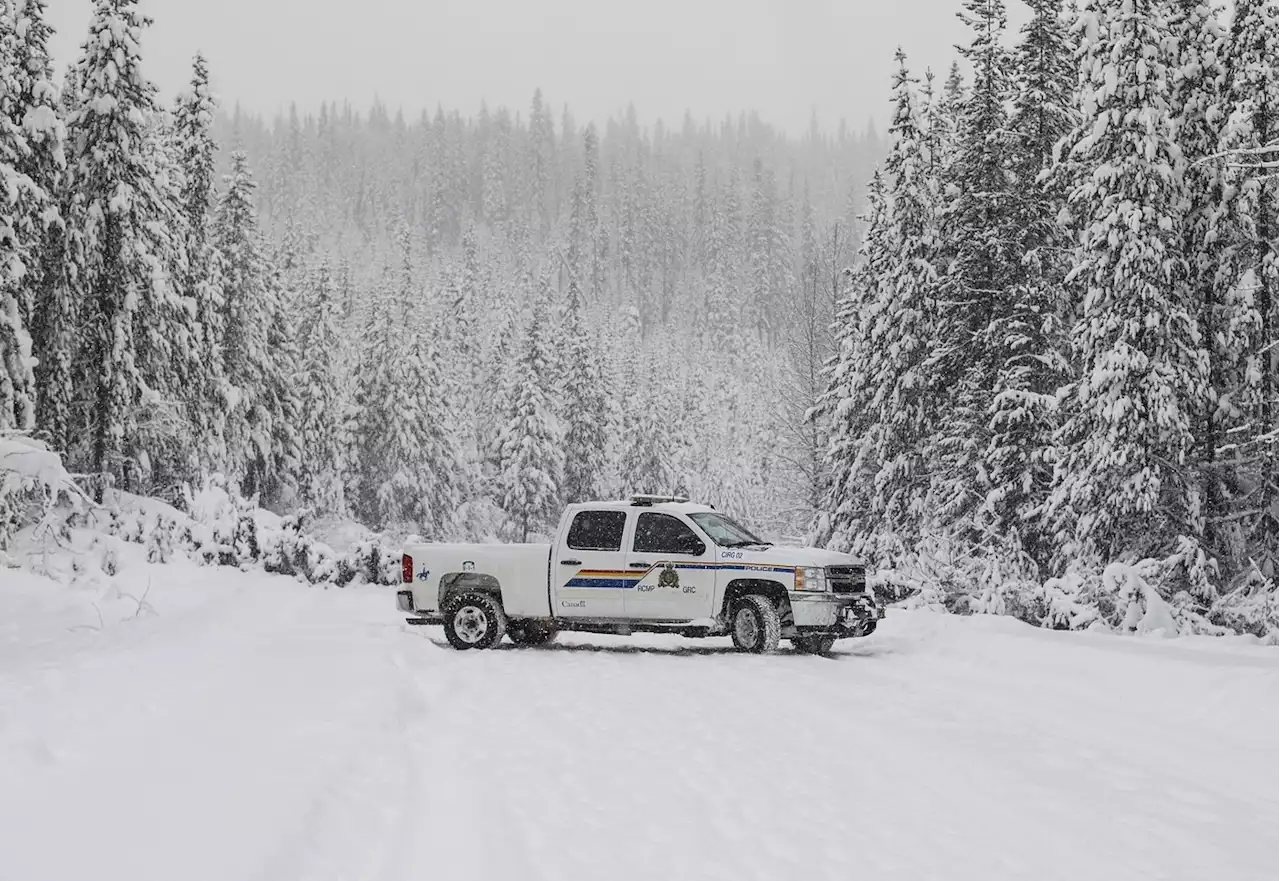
(724, 531)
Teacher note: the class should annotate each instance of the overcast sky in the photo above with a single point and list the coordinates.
(784, 58)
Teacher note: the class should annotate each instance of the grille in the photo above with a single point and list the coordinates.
(847, 579)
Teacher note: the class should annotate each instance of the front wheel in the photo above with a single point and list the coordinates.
(813, 645)
(474, 621)
(756, 626)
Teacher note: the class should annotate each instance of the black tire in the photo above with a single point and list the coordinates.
(755, 625)
(868, 628)
(813, 645)
(531, 634)
(474, 621)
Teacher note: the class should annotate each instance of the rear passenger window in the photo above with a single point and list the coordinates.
(597, 530)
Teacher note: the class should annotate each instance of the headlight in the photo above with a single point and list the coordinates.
(811, 578)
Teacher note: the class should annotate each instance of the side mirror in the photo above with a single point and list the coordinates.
(693, 546)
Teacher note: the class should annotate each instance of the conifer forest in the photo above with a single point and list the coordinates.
(1018, 350)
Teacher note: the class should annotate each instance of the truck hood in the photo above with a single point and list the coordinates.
(789, 556)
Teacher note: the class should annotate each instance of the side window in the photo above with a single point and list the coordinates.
(597, 530)
(664, 534)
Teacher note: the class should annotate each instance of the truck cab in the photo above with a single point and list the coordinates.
(649, 563)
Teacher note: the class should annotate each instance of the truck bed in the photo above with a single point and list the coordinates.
(520, 568)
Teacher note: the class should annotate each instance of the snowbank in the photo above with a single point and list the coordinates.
(50, 527)
(1146, 597)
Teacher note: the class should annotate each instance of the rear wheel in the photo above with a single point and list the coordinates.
(755, 625)
(474, 621)
(813, 645)
(531, 634)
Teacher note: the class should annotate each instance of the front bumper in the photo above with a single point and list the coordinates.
(839, 615)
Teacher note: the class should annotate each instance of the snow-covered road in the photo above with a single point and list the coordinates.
(256, 730)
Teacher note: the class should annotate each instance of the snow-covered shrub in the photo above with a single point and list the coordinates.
(1005, 582)
(1138, 608)
(374, 563)
(1065, 604)
(284, 550)
(33, 487)
(219, 513)
(1249, 607)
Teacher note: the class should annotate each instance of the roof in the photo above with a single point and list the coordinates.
(671, 507)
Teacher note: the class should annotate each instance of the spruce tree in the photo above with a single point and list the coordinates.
(276, 468)
(1032, 327)
(904, 397)
(1248, 154)
(849, 404)
(49, 306)
(496, 158)
(531, 460)
(376, 395)
(21, 202)
(542, 147)
(1122, 482)
(424, 432)
(767, 248)
(1196, 102)
(588, 412)
(725, 262)
(258, 358)
(648, 455)
(205, 389)
(120, 219)
(980, 248)
(319, 395)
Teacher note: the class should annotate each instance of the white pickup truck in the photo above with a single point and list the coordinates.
(653, 563)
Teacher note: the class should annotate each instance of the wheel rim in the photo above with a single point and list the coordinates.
(746, 628)
(470, 623)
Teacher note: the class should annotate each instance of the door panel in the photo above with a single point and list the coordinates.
(678, 573)
(588, 568)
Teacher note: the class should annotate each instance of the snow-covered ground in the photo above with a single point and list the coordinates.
(241, 727)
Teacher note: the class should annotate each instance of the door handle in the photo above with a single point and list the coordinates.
(639, 565)
(570, 562)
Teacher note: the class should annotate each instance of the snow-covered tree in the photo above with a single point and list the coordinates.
(849, 404)
(979, 245)
(1122, 481)
(323, 458)
(1246, 348)
(768, 249)
(1030, 332)
(121, 219)
(22, 201)
(406, 466)
(34, 106)
(904, 399)
(276, 468)
(589, 412)
(1196, 101)
(424, 436)
(531, 458)
(205, 391)
(724, 264)
(808, 345)
(541, 165)
(650, 437)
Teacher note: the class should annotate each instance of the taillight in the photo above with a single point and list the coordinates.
(406, 568)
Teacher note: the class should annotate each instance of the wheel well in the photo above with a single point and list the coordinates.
(459, 582)
(740, 587)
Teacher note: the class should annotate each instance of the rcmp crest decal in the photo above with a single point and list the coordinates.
(669, 577)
